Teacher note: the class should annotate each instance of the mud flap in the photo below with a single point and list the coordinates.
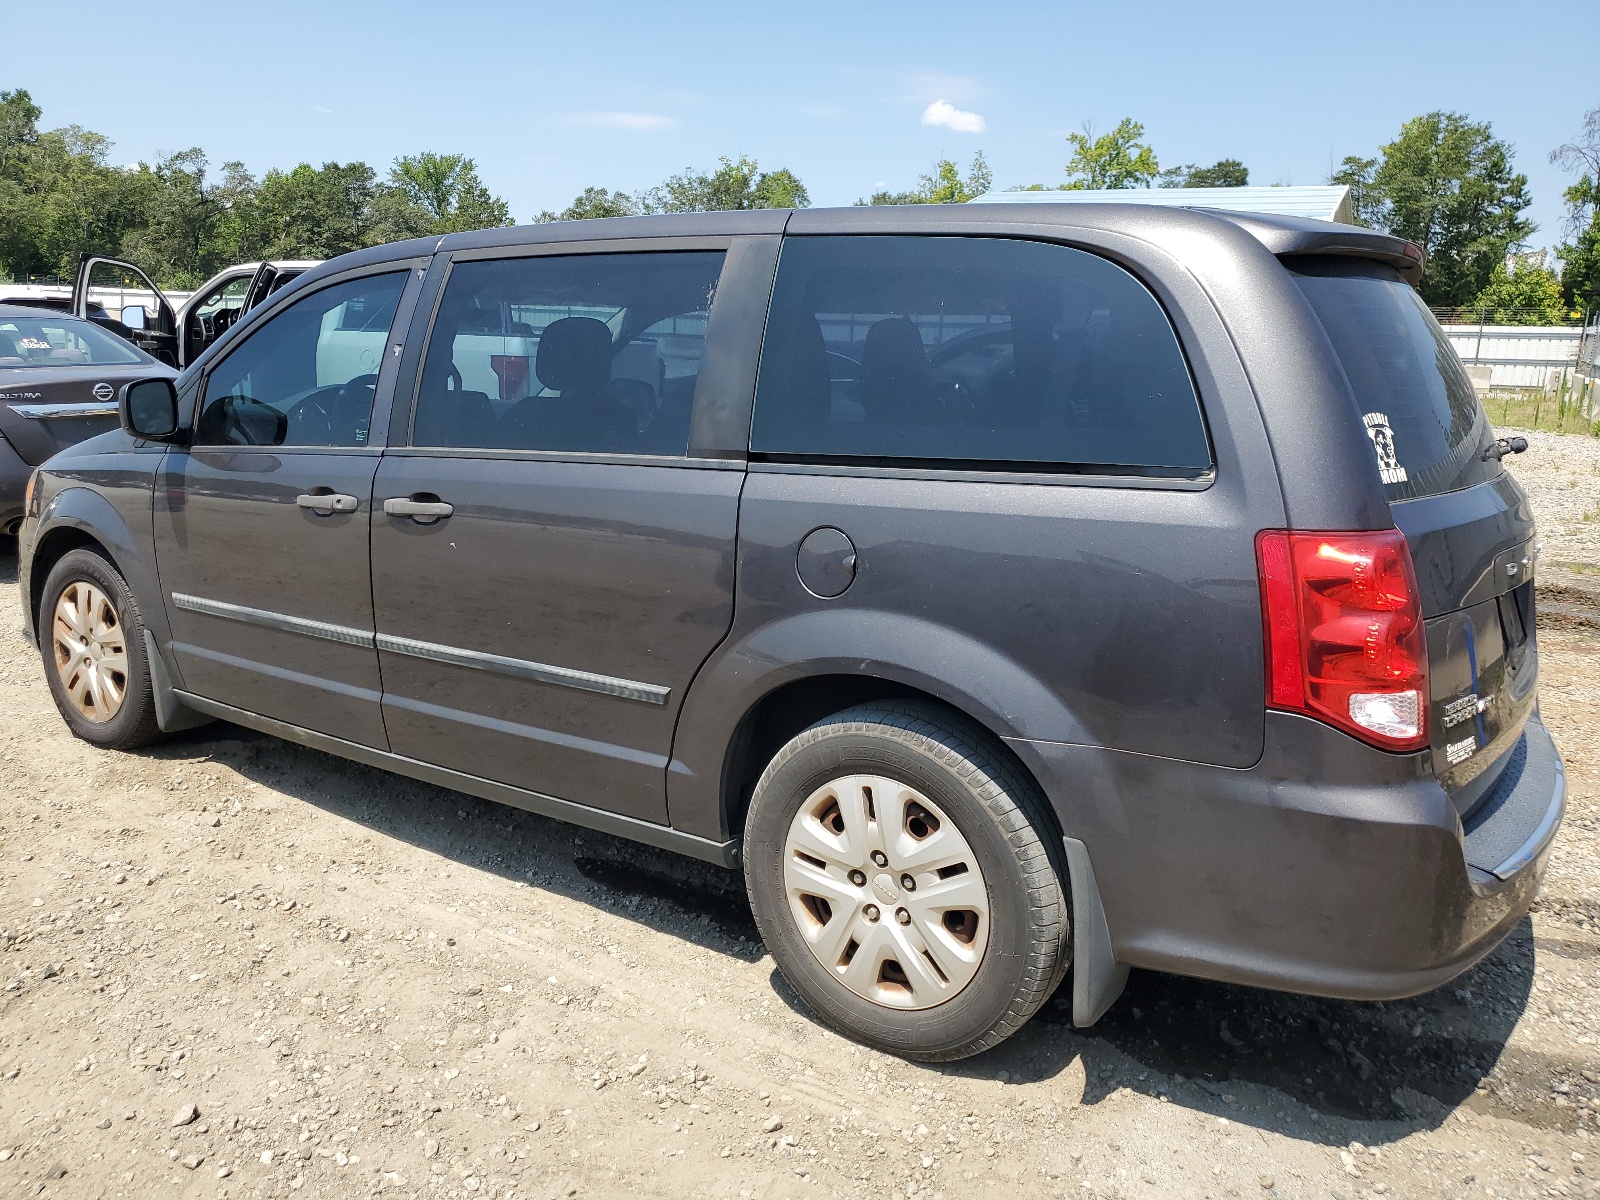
(1097, 977)
(172, 715)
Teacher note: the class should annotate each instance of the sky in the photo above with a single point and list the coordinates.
(852, 97)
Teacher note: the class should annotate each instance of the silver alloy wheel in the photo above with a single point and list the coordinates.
(90, 652)
(886, 892)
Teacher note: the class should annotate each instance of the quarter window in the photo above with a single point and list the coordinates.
(307, 376)
(982, 351)
(589, 353)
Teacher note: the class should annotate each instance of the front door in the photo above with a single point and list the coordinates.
(261, 525)
(129, 290)
(550, 567)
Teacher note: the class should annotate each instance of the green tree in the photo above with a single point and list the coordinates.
(19, 128)
(1227, 172)
(58, 198)
(1580, 253)
(314, 212)
(429, 194)
(1522, 291)
(1113, 160)
(1360, 176)
(1446, 183)
(735, 184)
(593, 202)
(943, 185)
(180, 215)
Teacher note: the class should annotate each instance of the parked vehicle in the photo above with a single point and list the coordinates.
(178, 335)
(59, 378)
(1002, 588)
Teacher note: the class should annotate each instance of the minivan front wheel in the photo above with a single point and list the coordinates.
(905, 877)
(92, 640)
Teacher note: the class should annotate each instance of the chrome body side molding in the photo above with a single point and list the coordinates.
(585, 681)
(272, 620)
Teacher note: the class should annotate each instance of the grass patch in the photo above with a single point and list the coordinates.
(1570, 410)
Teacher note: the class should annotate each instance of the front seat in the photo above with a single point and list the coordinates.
(896, 381)
(574, 360)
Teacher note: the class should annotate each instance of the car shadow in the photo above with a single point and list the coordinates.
(1328, 1071)
(680, 896)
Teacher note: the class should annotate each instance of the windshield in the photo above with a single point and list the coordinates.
(60, 341)
(1412, 393)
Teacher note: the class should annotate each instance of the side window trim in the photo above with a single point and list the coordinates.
(731, 346)
(387, 368)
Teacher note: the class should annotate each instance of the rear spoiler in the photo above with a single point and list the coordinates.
(1289, 237)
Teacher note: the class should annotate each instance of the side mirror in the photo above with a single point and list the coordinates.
(134, 317)
(148, 408)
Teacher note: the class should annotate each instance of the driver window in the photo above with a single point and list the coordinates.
(306, 377)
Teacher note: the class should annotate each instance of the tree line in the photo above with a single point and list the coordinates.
(1445, 182)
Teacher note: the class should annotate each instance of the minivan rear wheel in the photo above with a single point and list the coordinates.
(91, 638)
(905, 875)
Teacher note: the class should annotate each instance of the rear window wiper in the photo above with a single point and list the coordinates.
(1501, 447)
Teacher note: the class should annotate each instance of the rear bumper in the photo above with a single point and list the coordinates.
(13, 486)
(1514, 825)
(1328, 868)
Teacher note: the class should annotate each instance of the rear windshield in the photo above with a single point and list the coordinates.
(60, 341)
(1412, 393)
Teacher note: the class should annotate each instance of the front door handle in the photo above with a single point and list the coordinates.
(422, 510)
(328, 502)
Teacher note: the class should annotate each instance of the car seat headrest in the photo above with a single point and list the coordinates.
(574, 355)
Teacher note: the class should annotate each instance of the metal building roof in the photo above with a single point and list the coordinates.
(1329, 203)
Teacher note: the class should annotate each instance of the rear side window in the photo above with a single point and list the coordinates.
(1412, 394)
(593, 353)
(981, 351)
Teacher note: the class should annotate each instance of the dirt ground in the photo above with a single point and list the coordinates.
(234, 967)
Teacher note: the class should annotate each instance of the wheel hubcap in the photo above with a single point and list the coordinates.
(886, 892)
(90, 652)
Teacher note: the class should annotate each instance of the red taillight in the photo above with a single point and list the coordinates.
(1344, 635)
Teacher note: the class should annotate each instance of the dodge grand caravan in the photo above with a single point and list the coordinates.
(1002, 589)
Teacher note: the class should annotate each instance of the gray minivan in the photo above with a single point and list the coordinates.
(1004, 588)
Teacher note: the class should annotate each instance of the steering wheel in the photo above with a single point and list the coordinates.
(316, 414)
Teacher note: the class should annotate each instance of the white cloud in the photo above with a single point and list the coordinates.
(322, 110)
(642, 122)
(951, 117)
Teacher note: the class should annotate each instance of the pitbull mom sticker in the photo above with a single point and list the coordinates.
(1383, 442)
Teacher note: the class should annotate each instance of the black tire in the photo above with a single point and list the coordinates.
(1002, 816)
(134, 723)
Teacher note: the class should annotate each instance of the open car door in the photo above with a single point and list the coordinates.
(148, 322)
(260, 286)
(268, 279)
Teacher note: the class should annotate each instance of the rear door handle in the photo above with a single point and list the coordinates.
(328, 502)
(404, 506)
